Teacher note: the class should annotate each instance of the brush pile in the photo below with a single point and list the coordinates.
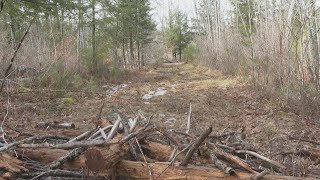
(137, 149)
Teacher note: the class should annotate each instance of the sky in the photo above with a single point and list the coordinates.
(161, 8)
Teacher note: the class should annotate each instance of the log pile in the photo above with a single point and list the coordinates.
(137, 149)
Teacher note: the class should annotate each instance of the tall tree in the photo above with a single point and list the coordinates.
(177, 33)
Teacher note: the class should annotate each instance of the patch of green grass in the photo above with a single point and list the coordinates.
(68, 100)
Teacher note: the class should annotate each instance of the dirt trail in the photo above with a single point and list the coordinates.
(222, 102)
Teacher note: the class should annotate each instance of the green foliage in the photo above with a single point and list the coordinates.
(177, 34)
(67, 100)
(57, 77)
(129, 23)
(190, 52)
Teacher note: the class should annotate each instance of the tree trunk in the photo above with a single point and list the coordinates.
(94, 53)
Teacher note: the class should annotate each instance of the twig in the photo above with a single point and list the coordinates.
(196, 146)
(173, 154)
(260, 175)
(174, 158)
(144, 158)
(168, 136)
(15, 54)
(184, 134)
(189, 119)
(100, 112)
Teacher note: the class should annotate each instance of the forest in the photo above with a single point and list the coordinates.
(159, 89)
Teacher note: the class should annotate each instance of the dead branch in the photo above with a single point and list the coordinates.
(275, 164)
(219, 164)
(133, 124)
(189, 119)
(98, 132)
(230, 158)
(82, 136)
(54, 173)
(144, 158)
(70, 156)
(196, 146)
(114, 128)
(29, 140)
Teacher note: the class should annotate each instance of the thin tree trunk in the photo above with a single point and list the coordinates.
(94, 53)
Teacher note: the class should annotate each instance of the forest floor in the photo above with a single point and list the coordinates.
(224, 103)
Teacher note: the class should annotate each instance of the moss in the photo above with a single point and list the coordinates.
(68, 100)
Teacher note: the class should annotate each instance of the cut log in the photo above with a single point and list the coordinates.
(97, 159)
(10, 165)
(139, 170)
(157, 151)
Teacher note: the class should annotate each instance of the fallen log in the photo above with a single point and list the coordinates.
(10, 165)
(157, 151)
(140, 170)
(97, 159)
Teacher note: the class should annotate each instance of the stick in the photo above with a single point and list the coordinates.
(182, 151)
(189, 119)
(196, 146)
(82, 136)
(103, 134)
(71, 145)
(15, 54)
(28, 140)
(260, 175)
(173, 154)
(219, 164)
(55, 173)
(133, 124)
(98, 132)
(230, 158)
(150, 172)
(114, 128)
(272, 162)
(70, 156)
(100, 112)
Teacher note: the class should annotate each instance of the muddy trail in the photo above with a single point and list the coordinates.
(165, 93)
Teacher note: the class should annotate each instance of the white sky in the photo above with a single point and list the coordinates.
(161, 8)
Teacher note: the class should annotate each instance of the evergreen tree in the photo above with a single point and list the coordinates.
(177, 33)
